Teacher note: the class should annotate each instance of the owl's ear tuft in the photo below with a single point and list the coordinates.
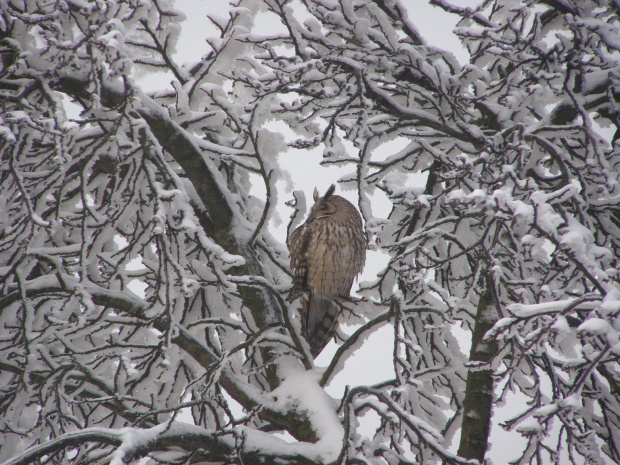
(316, 194)
(330, 191)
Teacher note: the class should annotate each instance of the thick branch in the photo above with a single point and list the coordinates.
(132, 444)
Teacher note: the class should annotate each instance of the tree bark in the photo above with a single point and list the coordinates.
(479, 387)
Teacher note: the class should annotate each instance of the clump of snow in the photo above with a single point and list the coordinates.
(545, 411)
(7, 134)
(530, 427)
(594, 326)
(611, 303)
(475, 197)
(571, 402)
(527, 310)
(135, 438)
(189, 286)
(300, 390)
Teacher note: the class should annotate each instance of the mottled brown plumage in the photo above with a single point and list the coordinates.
(327, 252)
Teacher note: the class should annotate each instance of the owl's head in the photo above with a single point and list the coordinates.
(324, 206)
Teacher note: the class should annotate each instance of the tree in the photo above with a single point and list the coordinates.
(502, 283)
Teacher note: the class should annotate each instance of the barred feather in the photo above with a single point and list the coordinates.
(327, 252)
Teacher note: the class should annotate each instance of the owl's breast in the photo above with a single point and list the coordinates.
(333, 260)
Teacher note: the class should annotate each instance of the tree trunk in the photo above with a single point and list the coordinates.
(479, 388)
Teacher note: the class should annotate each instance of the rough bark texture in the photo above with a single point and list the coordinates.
(479, 388)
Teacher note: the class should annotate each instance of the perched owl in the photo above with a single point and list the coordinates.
(327, 252)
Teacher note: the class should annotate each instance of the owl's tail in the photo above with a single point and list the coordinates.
(319, 322)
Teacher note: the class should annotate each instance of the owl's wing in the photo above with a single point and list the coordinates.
(298, 248)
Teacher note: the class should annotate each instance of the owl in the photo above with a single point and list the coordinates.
(327, 252)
